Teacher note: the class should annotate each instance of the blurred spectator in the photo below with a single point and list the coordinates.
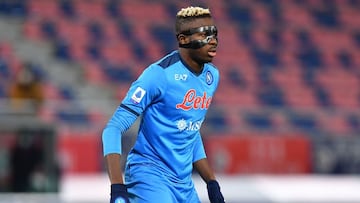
(26, 93)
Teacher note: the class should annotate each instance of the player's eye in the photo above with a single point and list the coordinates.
(203, 34)
(208, 38)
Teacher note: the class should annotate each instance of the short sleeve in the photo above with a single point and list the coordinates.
(147, 89)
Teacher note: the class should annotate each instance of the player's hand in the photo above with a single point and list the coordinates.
(119, 194)
(215, 195)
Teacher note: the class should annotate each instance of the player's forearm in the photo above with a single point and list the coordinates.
(114, 168)
(203, 168)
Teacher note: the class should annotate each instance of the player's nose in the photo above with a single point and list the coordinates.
(213, 40)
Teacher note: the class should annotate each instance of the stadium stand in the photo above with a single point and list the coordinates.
(300, 59)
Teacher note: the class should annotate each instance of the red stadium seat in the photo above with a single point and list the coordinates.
(94, 73)
(146, 12)
(43, 8)
(89, 10)
(334, 123)
(31, 30)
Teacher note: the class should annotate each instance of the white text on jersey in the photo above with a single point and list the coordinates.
(180, 76)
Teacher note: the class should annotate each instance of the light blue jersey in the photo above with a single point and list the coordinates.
(173, 102)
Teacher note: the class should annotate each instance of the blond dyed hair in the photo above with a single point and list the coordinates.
(192, 12)
(189, 14)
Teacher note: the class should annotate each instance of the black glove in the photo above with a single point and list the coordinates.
(119, 194)
(214, 193)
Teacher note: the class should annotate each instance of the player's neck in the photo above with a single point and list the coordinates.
(194, 67)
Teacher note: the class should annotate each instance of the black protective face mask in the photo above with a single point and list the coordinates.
(210, 33)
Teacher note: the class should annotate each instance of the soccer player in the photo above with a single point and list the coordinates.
(172, 95)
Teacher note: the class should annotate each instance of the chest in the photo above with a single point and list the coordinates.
(188, 95)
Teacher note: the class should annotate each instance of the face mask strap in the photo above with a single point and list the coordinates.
(196, 44)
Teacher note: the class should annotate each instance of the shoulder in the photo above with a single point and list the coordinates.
(168, 60)
(160, 66)
(158, 70)
(211, 67)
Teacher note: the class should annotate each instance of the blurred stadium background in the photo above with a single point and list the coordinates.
(283, 127)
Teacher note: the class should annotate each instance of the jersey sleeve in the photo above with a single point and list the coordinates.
(147, 89)
(199, 151)
(144, 91)
(117, 125)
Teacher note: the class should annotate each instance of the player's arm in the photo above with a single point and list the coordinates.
(142, 92)
(207, 174)
(202, 166)
(200, 162)
(121, 120)
(114, 169)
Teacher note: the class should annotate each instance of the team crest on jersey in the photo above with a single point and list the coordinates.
(138, 95)
(209, 78)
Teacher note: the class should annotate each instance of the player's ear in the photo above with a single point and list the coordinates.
(182, 39)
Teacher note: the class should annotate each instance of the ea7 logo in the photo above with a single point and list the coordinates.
(180, 76)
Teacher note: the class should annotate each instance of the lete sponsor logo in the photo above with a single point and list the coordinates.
(193, 101)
